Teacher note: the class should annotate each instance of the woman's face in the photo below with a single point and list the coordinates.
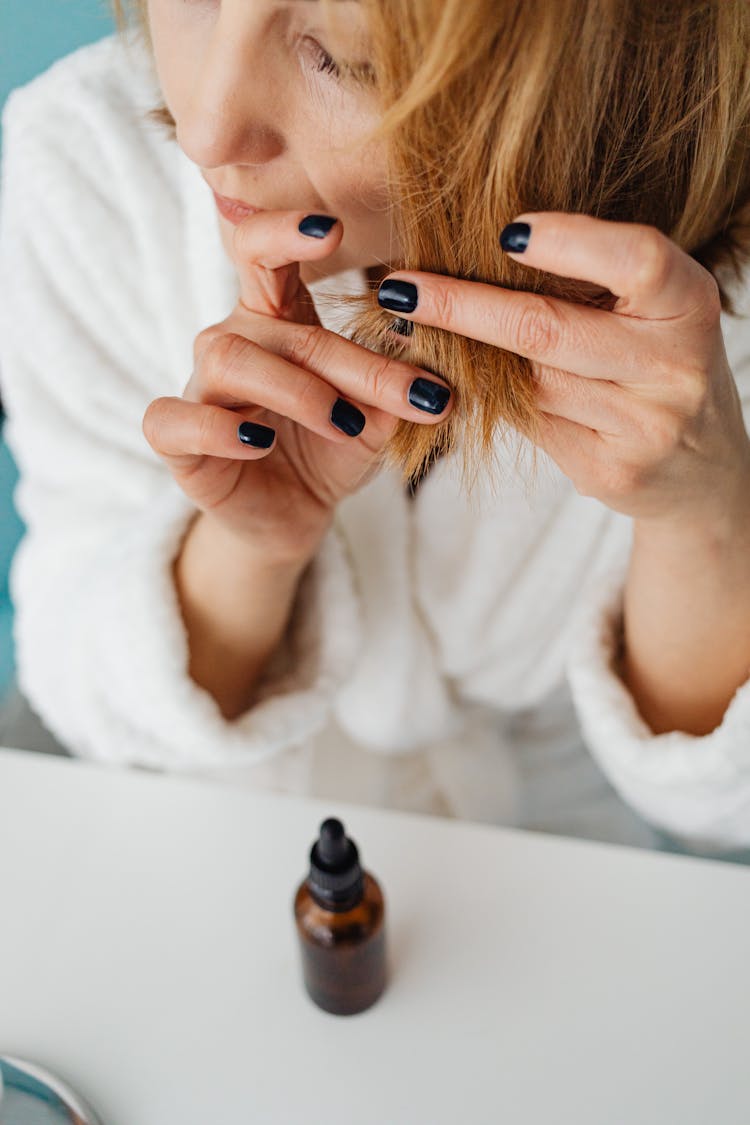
(260, 112)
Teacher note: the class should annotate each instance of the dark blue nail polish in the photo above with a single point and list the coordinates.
(398, 296)
(515, 237)
(252, 433)
(346, 417)
(403, 327)
(429, 396)
(316, 226)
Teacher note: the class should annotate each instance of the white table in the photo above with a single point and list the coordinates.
(148, 955)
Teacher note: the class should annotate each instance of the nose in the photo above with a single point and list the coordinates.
(234, 112)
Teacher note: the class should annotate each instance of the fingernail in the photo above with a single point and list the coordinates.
(403, 327)
(515, 237)
(398, 296)
(346, 417)
(316, 226)
(429, 396)
(252, 433)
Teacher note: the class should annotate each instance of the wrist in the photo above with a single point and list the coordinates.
(278, 561)
(235, 601)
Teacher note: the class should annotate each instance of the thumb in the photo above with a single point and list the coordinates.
(267, 247)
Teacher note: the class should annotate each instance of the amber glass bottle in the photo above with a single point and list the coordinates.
(340, 914)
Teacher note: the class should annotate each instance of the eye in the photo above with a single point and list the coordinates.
(361, 74)
(323, 61)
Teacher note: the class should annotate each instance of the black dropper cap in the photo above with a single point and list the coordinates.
(335, 878)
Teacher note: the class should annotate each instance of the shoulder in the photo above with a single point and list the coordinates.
(91, 188)
(91, 223)
(109, 76)
(83, 119)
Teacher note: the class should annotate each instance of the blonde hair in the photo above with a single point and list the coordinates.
(622, 109)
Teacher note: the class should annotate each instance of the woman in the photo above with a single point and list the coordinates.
(262, 599)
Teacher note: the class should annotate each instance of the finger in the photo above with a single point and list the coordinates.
(648, 272)
(574, 448)
(321, 368)
(597, 403)
(387, 383)
(548, 330)
(268, 246)
(179, 429)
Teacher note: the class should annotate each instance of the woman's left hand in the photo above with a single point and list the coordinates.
(639, 407)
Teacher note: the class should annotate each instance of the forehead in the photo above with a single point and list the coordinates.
(345, 14)
(344, 10)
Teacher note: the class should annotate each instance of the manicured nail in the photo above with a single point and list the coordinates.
(403, 327)
(346, 417)
(429, 396)
(515, 237)
(316, 226)
(252, 433)
(398, 296)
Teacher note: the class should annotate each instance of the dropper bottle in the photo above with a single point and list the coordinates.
(340, 915)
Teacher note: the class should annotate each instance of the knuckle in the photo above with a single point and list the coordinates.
(663, 431)
(223, 349)
(306, 392)
(443, 300)
(648, 259)
(665, 370)
(203, 339)
(377, 375)
(206, 429)
(684, 377)
(307, 345)
(221, 356)
(538, 330)
(693, 393)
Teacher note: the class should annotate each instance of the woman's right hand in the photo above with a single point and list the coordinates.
(271, 363)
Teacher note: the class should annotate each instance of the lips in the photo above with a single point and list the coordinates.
(233, 209)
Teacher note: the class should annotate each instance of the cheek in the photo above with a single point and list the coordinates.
(362, 197)
(355, 182)
(326, 129)
(176, 50)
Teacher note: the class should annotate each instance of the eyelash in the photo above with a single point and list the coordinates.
(325, 62)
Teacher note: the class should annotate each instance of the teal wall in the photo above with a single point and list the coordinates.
(33, 34)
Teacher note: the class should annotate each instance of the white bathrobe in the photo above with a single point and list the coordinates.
(445, 655)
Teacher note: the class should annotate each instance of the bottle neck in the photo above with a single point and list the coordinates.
(337, 902)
